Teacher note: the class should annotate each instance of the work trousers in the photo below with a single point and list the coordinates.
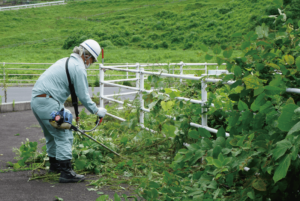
(59, 141)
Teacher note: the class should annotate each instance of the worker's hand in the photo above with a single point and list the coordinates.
(101, 112)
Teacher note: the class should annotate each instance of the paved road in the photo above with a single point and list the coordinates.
(14, 186)
(24, 93)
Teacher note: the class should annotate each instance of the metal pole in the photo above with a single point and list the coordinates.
(4, 83)
(127, 71)
(102, 56)
(137, 75)
(204, 100)
(101, 85)
(181, 70)
(141, 97)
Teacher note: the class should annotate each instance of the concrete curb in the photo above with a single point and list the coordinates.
(15, 106)
(22, 106)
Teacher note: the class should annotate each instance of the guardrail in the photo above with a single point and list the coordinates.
(32, 5)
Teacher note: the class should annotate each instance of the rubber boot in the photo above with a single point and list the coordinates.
(54, 166)
(67, 175)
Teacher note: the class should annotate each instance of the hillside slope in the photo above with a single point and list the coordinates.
(123, 25)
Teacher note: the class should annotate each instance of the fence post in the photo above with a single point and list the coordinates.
(141, 96)
(181, 70)
(204, 100)
(127, 71)
(101, 80)
(137, 75)
(4, 84)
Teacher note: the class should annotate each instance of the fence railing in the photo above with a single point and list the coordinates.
(139, 89)
(19, 76)
(32, 5)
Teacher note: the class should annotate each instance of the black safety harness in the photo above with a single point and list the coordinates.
(72, 90)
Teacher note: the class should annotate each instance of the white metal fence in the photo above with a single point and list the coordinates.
(12, 76)
(139, 89)
(32, 5)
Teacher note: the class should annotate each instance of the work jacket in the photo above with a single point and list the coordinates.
(54, 82)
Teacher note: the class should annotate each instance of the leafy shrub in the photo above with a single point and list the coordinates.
(154, 36)
(120, 42)
(165, 14)
(164, 45)
(187, 45)
(160, 25)
(194, 6)
(155, 46)
(271, 10)
(136, 38)
(106, 43)
(224, 10)
(177, 39)
(211, 23)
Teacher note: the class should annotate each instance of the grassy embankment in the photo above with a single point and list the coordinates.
(130, 31)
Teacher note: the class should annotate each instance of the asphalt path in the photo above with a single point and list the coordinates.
(15, 128)
(24, 93)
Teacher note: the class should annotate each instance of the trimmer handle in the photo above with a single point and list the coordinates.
(99, 119)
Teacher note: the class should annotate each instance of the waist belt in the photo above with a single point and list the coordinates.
(44, 95)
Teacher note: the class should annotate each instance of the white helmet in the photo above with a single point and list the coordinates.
(93, 47)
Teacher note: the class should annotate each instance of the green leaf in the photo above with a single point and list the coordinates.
(208, 57)
(274, 66)
(237, 35)
(298, 63)
(282, 169)
(241, 140)
(259, 185)
(217, 163)
(237, 71)
(198, 155)
(221, 132)
(281, 148)
(153, 184)
(217, 49)
(289, 59)
(203, 48)
(245, 45)
(285, 123)
(278, 3)
(294, 129)
(219, 61)
(216, 151)
(228, 53)
(206, 144)
(242, 106)
(252, 82)
(117, 197)
(169, 130)
(259, 90)
(204, 133)
(102, 198)
(194, 134)
(80, 164)
(220, 141)
(273, 90)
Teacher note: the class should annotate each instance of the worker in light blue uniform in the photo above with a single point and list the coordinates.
(49, 94)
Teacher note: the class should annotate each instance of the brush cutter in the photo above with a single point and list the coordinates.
(63, 120)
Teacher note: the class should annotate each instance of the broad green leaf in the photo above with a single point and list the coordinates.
(285, 122)
(282, 169)
(252, 82)
(298, 63)
(217, 49)
(117, 197)
(274, 66)
(216, 151)
(206, 144)
(197, 156)
(220, 141)
(278, 3)
(169, 130)
(242, 106)
(217, 163)
(167, 105)
(266, 108)
(80, 164)
(219, 61)
(245, 45)
(194, 134)
(281, 148)
(276, 81)
(273, 90)
(228, 53)
(237, 71)
(153, 184)
(294, 152)
(204, 133)
(250, 195)
(226, 161)
(209, 160)
(221, 132)
(259, 185)
(289, 59)
(259, 90)
(208, 57)
(204, 48)
(102, 198)
(221, 158)
(294, 129)
(241, 140)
